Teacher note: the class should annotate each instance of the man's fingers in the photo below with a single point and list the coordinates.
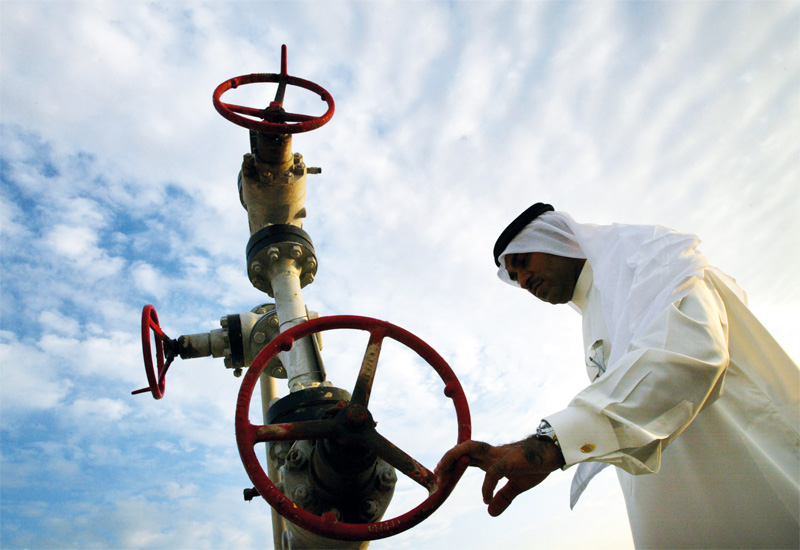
(490, 481)
(450, 457)
(502, 499)
(474, 449)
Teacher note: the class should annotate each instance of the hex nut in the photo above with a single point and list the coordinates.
(301, 495)
(296, 459)
(387, 479)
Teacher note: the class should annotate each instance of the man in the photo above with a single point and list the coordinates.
(690, 397)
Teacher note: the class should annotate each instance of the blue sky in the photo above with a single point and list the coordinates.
(119, 189)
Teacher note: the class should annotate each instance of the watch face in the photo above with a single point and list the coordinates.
(546, 431)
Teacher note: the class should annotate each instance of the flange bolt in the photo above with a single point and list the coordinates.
(301, 496)
(387, 479)
(296, 459)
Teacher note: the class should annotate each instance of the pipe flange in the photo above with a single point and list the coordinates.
(279, 242)
(263, 332)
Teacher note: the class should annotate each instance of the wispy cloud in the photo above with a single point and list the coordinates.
(119, 189)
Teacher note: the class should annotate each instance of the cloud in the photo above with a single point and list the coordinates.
(100, 410)
(59, 323)
(149, 280)
(29, 377)
(118, 189)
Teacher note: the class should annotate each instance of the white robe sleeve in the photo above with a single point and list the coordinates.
(669, 372)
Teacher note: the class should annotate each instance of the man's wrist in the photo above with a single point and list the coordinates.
(545, 433)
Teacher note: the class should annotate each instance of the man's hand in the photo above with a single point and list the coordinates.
(525, 464)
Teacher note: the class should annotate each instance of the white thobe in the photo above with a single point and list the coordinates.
(700, 414)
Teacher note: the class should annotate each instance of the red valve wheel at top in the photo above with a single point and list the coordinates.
(156, 378)
(354, 420)
(274, 120)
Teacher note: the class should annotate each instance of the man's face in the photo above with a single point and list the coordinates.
(550, 278)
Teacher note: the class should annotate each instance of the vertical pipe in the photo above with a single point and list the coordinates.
(302, 367)
(269, 391)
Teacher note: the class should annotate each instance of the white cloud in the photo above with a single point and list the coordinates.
(99, 411)
(30, 379)
(149, 280)
(55, 321)
(119, 190)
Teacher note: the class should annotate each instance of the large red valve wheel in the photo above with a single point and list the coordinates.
(274, 120)
(155, 378)
(355, 421)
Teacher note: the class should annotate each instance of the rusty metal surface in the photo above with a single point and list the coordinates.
(274, 120)
(369, 365)
(350, 422)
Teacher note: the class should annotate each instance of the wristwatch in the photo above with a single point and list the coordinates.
(545, 431)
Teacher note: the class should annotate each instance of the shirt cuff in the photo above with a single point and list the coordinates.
(582, 435)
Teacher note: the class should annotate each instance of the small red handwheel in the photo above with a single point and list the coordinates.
(274, 120)
(156, 378)
(353, 421)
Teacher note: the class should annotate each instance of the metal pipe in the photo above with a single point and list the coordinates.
(269, 391)
(302, 367)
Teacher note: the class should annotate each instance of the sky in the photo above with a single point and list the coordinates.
(118, 189)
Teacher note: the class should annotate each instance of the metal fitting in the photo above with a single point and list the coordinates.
(272, 320)
(313, 170)
(237, 373)
(281, 448)
(259, 337)
(256, 267)
(296, 459)
(249, 164)
(278, 372)
(311, 262)
(288, 177)
(302, 496)
(370, 510)
(258, 282)
(387, 479)
(295, 251)
(273, 253)
(226, 342)
(307, 279)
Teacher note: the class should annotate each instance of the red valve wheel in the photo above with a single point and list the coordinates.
(156, 379)
(354, 420)
(274, 120)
